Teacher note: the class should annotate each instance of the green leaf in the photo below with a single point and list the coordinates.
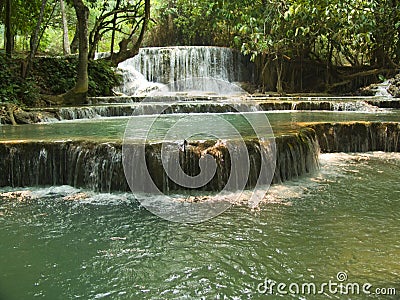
(286, 16)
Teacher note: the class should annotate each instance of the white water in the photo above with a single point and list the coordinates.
(382, 89)
(153, 68)
(355, 106)
(334, 168)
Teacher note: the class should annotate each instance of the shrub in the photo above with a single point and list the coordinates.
(13, 88)
(58, 75)
(52, 76)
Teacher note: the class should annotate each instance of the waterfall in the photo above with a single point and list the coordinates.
(354, 106)
(170, 65)
(98, 166)
(381, 89)
(328, 105)
(175, 105)
(297, 155)
(91, 112)
(79, 164)
(358, 136)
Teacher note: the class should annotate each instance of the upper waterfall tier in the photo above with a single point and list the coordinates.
(170, 65)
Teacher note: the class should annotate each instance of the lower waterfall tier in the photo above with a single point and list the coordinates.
(358, 136)
(98, 166)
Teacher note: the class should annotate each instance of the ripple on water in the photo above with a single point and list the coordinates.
(344, 217)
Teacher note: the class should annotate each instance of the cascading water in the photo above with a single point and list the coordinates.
(382, 89)
(171, 66)
(358, 136)
(203, 104)
(153, 67)
(98, 166)
(342, 219)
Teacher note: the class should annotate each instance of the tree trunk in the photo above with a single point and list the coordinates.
(279, 70)
(113, 30)
(66, 46)
(125, 53)
(329, 64)
(75, 41)
(34, 42)
(82, 13)
(9, 34)
(77, 95)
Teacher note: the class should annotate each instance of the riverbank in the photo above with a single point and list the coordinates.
(26, 101)
(108, 107)
(51, 76)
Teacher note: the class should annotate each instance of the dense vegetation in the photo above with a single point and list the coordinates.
(29, 23)
(52, 76)
(341, 40)
(361, 32)
(298, 45)
(13, 88)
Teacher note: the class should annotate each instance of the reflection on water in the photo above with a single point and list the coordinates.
(345, 218)
(112, 129)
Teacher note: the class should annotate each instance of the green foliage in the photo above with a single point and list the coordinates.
(52, 76)
(25, 15)
(121, 17)
(338, 31)
(102, 78)
(194, 22)
(183, 22)
(341, 32)
(57, 75)
(13, 89)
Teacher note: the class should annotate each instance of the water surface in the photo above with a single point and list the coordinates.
(112, 129)
(344, 218)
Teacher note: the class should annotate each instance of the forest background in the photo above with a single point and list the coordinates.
(47, 47)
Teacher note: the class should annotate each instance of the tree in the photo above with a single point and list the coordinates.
(75, 41)
(77, 95)
(1, 6)
(9, 34)
(66, 45)
(34, 41)
(130, 19)
(128, 47)
(114, 28)
(184, 22)
(385, 16)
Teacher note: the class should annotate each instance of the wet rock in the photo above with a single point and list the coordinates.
(76, 197)
(12, 114)
(248, 87)
(19, 196)
(394, 87)
(368, 90)
(4, 117)
(7, 113)
(23, 117)
(358, 136)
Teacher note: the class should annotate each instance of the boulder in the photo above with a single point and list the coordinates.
(394, 87)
